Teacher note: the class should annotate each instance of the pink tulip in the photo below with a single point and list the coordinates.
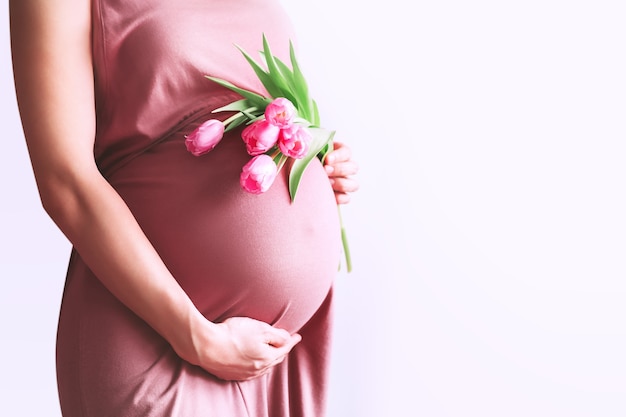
(280, 112)
(260, 136)
(205, 137)
(258, 174)
(294, 141)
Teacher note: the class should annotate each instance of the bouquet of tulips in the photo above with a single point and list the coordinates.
(279, 127)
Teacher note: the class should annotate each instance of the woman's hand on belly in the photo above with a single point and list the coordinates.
(241, 348)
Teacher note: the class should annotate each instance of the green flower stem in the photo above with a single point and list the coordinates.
(344, 242)
(279, 159)
(233, 118)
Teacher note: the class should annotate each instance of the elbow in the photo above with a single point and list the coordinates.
(57, 200)
(61, 198)
(68, 192)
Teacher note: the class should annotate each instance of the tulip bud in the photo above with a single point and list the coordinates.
(258, 174)
(280, 112)
(294, 141)
(205, 137)
(260, 136)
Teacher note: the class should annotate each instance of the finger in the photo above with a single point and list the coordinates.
(343, 169)
(267, 368)
(340, 153)
(337, 144)
(277, 337)
(288, 345)
(282, 352)
(279, 359)
(342, 198)
(344, 185)
(276, 354)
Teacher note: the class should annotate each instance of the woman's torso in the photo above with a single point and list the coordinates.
(235, 253)
(151, 56)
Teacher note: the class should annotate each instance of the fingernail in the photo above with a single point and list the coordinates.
(329, 168)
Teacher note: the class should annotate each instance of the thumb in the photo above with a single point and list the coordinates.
(281, 337)
(289, 343)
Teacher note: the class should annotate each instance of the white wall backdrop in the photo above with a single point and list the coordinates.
(489, 235)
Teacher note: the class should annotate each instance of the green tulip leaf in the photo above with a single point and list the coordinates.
(272, 85)
(298, 91)
(324, 151)
(321, 138)
(239, 105)
(315, 117)
(272, 67)
(302, 89)
(286, 72)
(256, 100)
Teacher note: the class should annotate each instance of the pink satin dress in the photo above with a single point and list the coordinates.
(234, 253)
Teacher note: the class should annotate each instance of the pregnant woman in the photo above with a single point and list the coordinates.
(185, 296)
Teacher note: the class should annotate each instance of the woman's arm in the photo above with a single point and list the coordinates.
(54, 82)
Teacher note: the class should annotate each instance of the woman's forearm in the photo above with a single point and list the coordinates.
(106, 235)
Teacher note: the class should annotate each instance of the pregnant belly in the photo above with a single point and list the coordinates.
(234, 253)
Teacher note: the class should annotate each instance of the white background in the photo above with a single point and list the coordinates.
(489, 235)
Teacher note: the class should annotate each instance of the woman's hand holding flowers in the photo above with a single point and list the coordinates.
(340, 169)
